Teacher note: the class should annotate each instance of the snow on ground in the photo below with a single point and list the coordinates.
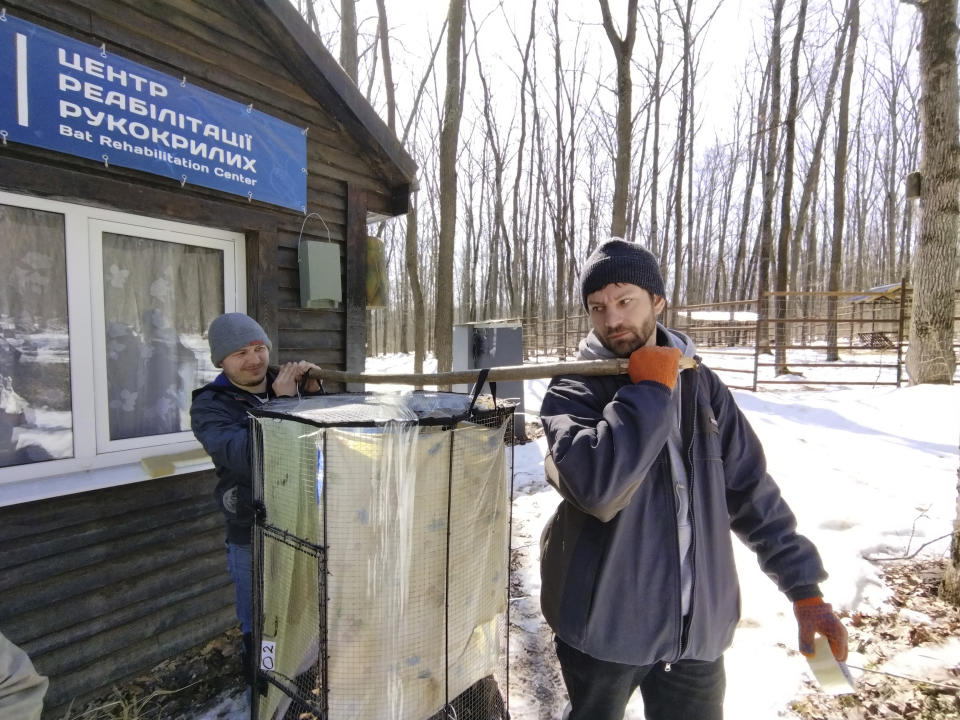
(869, 471)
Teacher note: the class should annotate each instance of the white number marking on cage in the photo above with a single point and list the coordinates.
(268, 654)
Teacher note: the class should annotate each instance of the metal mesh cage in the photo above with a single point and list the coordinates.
(381, 557)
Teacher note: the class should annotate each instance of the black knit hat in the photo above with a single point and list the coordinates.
(619, 261)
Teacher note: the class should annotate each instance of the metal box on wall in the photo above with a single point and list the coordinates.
(494, 343)
(320, 275)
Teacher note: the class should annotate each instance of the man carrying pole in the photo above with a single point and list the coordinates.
(655, 468)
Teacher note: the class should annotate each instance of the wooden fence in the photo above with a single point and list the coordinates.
(872, 329)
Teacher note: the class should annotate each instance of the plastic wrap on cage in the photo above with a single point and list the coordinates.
(344, 409)
(382, 558)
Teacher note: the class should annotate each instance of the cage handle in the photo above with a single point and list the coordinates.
(481, 379)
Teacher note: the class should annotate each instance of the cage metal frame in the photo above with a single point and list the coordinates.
(502, 414)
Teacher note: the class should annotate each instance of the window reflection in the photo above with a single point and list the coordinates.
(159, 298)
(35, 415)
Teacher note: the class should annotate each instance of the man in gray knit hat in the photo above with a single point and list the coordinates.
(655, 469)
(219, 418)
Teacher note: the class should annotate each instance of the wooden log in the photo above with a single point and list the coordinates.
(103, 553)
(55, 515)
(119, 636)
(42, 629)
(615, 366)
(95, 678)
(57, 541)
(76, 582)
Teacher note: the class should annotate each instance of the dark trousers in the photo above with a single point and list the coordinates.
(240, 565)
(600, 690)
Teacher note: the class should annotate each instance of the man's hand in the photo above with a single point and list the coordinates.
(816, 616)
(660, 364)
(289, 377)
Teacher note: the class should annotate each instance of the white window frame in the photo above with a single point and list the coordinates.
(99, 462)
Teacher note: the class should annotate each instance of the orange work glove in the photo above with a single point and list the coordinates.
(816, 616)
(660, 364)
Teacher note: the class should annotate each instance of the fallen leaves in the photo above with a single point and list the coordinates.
(917, 616)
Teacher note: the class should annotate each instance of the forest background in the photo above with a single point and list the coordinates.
(768, 147)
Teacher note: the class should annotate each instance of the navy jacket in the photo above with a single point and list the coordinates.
(610, 562)
(220, 421)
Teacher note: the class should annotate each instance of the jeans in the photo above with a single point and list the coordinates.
(240, 565)
(600, 690)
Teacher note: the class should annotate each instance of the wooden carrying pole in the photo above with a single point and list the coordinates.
(614, 366)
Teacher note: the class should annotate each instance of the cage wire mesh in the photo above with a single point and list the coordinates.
(381, 557)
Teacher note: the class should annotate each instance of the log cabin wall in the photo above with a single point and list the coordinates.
(98, 586)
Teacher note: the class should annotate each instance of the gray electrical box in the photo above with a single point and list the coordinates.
(496, 343)
(319, 274)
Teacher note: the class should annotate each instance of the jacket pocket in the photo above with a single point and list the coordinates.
(706, 442)
(571, 552)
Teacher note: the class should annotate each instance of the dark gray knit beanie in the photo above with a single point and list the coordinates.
(231, 332)
(619, 261)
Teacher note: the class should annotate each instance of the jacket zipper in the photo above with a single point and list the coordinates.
(686, 435)
(676, 535)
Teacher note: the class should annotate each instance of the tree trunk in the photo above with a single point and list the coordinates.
(384, 33)
(559, 160)
(656, 93)
(813, 173)
(348, 38)
(623, 51)
(769, 184)
(684, 18)
(839, 179)
(783, 244)
(739, 282)
(416, 291)
(521, 243)
(449, 135)
(930, 356)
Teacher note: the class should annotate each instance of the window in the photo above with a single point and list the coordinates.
(103, 320)
(35, 401)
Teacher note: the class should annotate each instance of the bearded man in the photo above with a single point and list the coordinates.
(655, 469)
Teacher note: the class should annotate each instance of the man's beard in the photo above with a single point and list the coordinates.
(622, 347)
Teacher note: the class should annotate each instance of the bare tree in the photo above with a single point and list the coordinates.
(348, 38)
(559, 213)
(813, 172)
(383, 32)
(520, 240)
(772, 132)
(684, 17)
(839, 178)
(623, 51)
(411, 240)
(657, 43)
(416, 290)
(783, 242)
(738, 289)
(449, 138)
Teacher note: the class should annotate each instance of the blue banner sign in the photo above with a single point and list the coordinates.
(64, 95)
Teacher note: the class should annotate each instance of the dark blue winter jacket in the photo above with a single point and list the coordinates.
(610, 562)
(219, 416)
